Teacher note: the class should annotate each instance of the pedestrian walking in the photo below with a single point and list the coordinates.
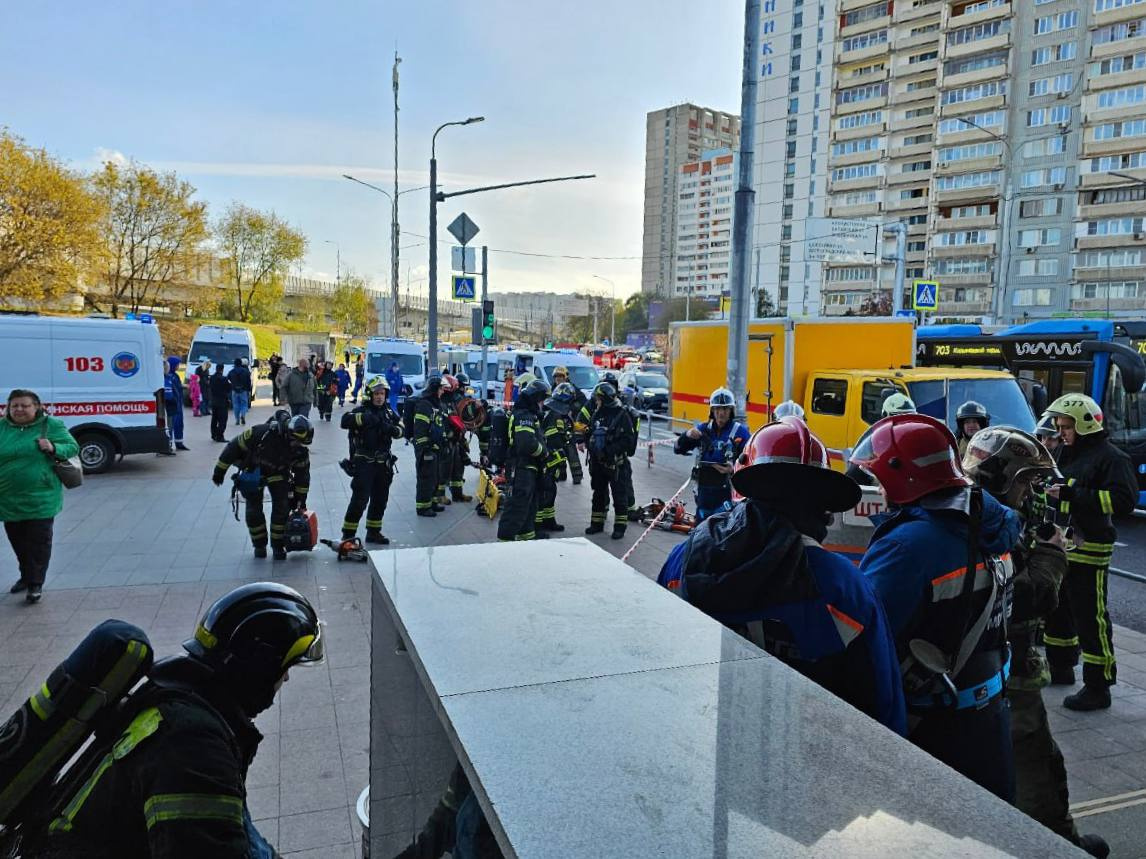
(220, 397)
(1099, 484)
(240, 378)
(274, 365)
(343, 377)
(299, 389)
(203, 371)
(31, 495)
(173, 405)
(170, 780)
(395, 381)
(326, 387)
(359, 376)
(195, 393)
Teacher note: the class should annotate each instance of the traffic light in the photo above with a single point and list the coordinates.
(488, 323)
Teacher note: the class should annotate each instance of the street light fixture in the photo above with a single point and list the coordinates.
(432, 309)
(613, 324)
(393, 239)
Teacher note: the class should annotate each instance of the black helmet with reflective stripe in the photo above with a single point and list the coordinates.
(300, 430)
(606, 393)
(252, 636)
(533, 395)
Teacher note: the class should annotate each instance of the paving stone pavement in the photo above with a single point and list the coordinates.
(153, 542)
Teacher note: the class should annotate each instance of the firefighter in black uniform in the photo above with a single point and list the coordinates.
(528, 455)
(1100, 483)
(373, 427)
(611, 441)
(429, 436)
(557, 428)
(273, 455)
(447, 449)
(169, 781)
(459, 441)
(572, 464)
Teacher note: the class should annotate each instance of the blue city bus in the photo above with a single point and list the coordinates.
(1098, 357)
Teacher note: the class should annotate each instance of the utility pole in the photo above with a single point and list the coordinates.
(394, 229)
(900, 230)
(484, 345)
(739, 287)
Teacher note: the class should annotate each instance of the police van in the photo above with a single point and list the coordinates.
(102, 377)
(410, 357)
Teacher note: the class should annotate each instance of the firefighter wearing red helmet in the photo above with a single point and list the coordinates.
(950, 627)
(760, 569)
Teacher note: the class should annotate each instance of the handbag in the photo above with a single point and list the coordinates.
(69, 471)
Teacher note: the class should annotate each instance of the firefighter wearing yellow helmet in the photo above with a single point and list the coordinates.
(1099, 483)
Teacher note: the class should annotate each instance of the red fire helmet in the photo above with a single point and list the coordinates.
(784, 462)
(449, 384)
(911, 456)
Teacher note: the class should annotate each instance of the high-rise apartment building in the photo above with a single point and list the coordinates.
(674, 136)
(703, 246)
(1010, 138)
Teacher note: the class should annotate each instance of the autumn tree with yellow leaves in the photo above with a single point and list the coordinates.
(153, 236)
(257, 248)
(49, 225)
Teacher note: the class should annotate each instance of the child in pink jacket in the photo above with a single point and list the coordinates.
(196, 394)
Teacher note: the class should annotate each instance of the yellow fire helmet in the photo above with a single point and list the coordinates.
(1084, 411)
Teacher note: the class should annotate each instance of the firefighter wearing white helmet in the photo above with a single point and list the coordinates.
(1099, 483)
(897, 404)
(788, 409)
(717, 443)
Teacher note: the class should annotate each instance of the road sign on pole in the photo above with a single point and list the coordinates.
(463, 229)
(464, 287)
(925, 295)
(464, 259)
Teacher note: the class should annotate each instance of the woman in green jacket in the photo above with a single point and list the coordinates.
(30, 493)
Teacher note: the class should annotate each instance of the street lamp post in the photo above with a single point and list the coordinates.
(394, 229)
(393, 198)
(337, 260)
(613, 324)
(432, 309)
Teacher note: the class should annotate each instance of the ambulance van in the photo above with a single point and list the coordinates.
(102, 377)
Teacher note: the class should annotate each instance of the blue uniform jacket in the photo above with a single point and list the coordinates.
(394, 380)
(818, 614)
(916, 562)
(721, 446)
(343, 381)
(172, 391)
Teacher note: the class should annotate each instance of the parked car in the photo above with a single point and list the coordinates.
(649, 391)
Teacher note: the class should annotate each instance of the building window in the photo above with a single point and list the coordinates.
(966, 237)
(1114, 289)
(987, 119)
(855, 171)
(1051, 85)
(1039, 238)
(1117, 258)
(976, 32)
(859, 120)
(1127, 161)
(917, 139)
(789, 190)
(1054, 53)
(794, 84)
(1122, 97)
(967, 180)
(791, 129)
(1119, 32)
(969, 151)
(961, 266)
(1046, 176)
(1042, 208)
(975, 63)
(861, 93)
(793, 106)
(864, 40)
(1115, 227)
(917, 112)
(1033, 297)
(1054, 23)
(1105, 5)
(1038, 267)
(859, 144)
(1059, 114)
(786, 212)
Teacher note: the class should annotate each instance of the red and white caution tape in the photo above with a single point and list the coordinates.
(656, 519)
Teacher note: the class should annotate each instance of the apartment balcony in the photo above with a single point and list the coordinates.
(964, 308)
(1105, 180)
(976, 279)
(912, 204)
(989, 14)
(904, 41)
(864, 210)
(873, 130)
(900, 153)
(877, 103)
(1115, 16)
(918, 229)
(968, 165)
(977, 76)
(987, 222)
(926, 120)
(1124, 47)
(1102, 273)
(872, 155)
(965, 134)
(863, 183)
(905, 12)
(1087, 243)
(868, 53)
(975, 105)
(942, 251)
(1096, 83)
(904, 68)
(900, 94)
(1093, 115)
(982, 46)
(1102, 304)
(910, 177)
(1132, 208)
(1116, 146)
(978, 193)
(872, 77)
(865, 27)
(865, 285)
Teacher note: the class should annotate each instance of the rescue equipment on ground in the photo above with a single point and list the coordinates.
(301, 534)
(347, 550)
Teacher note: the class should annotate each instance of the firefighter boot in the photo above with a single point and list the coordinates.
(618, 530)
(278, 553)
(377, 538)
(260, 551)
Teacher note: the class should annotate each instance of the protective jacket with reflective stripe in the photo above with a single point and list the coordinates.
(917, 562)
(1100, 484)
(171, 786)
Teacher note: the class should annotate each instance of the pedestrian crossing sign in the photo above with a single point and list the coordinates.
(464, 287)
(925, 295)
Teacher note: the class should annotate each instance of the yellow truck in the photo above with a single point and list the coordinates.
(839, 370)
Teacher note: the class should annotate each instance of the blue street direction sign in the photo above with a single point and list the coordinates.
(907, 314)
(464, 287)
(925, 295)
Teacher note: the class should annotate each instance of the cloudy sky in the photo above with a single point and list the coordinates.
(270, 102)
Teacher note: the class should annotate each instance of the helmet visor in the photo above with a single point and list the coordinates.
(308, 650)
